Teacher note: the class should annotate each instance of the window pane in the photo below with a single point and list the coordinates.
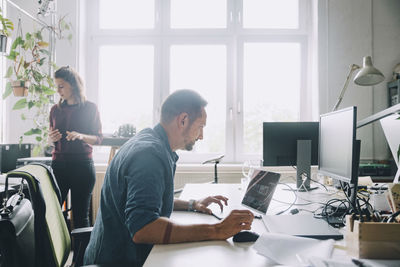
(271, 14)
(271, 88)
(198, 13)
(126, 14)
(203, 68)
(126, 86)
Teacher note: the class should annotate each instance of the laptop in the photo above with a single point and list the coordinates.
(304, 225)
(257, 197)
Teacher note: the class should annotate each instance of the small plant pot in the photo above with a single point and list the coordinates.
(3, 43)
(20, 88)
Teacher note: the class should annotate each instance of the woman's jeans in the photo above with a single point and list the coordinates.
(79, 177)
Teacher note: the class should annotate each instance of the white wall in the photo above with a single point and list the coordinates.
(350, 30)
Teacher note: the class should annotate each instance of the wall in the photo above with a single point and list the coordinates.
(348, 31)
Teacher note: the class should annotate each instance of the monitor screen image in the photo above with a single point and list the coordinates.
(337, 143)
(280, 142)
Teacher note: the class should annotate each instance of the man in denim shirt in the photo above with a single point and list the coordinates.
(137, 197)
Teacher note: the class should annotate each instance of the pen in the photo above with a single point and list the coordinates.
(359, 263)
(219, 218)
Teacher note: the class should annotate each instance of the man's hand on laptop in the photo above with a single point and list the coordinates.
(201, 205)
(235, 222)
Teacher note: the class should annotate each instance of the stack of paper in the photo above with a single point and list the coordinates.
(292, 250)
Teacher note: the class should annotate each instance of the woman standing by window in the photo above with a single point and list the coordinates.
(74, 127)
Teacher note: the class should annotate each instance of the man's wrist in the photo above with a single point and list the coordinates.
(191, 205)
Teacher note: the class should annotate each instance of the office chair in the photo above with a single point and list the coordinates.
(52, 238)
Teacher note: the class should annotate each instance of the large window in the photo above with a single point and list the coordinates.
(248, 58)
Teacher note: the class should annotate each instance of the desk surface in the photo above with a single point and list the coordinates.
(222, 253)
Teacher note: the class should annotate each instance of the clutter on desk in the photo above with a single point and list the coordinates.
(368, 238)
(394, 199)
(297, 249)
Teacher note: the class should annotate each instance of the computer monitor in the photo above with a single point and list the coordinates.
(280, 142)
(292, 144)
(339, 151)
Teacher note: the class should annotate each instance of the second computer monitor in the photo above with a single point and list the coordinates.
(338, 149)
(280, 142)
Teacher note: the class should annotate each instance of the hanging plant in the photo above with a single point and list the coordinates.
(29, 76)
(5, 31)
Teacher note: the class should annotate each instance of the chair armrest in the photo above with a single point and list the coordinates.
(82, 233)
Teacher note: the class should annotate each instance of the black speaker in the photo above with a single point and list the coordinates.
(9, 153)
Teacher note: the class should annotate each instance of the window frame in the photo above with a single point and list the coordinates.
(234, 37)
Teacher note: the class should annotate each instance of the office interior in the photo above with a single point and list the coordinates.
(331, 36)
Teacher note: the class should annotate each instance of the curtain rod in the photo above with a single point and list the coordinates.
(27, 14)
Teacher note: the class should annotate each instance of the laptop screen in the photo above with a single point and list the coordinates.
(260, 190)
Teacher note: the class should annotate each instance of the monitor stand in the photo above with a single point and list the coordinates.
(303, 176)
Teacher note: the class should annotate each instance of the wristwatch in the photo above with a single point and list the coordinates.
(191, 205)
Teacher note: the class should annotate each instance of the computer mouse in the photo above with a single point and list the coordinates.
(245, 236)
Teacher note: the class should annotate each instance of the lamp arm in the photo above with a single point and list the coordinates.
(353, 67)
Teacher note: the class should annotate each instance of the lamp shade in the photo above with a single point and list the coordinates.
(368, 75)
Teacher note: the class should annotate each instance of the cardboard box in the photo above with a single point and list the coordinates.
(372, 240)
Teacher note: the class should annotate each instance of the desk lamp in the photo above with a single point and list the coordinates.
(368, 75)
(215, 161)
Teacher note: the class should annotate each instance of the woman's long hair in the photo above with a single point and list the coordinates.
(69, 75)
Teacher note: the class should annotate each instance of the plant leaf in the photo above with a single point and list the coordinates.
(20, 104)
(9, 72)
(43, 44)
(31, 104)
(33, 131)
(44, 51)
(8, 90)
(13, 55)
(23, 116)
(48, 90)
(36, 151)
(17, 41)
(38, 138)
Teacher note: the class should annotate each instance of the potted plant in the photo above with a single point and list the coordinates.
(5, 31)
(30, 76)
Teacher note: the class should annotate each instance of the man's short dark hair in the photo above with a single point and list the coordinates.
(180, 101)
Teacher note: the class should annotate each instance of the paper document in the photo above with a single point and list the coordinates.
(292, 250)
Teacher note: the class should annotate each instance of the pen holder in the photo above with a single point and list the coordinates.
(372, 240)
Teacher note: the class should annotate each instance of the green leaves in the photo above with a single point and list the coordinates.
(8, 90)
(33, 131)
(18, 41)
(22, 103)
(30, 61)
(7, 24)
(9, 72)
(48, 90)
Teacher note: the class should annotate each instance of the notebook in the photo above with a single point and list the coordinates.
(301, 225)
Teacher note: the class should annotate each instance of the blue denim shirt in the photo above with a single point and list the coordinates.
(138, 188)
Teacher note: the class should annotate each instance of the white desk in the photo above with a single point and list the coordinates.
(219, 253)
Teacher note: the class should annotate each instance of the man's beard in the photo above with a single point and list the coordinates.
(189, 146)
